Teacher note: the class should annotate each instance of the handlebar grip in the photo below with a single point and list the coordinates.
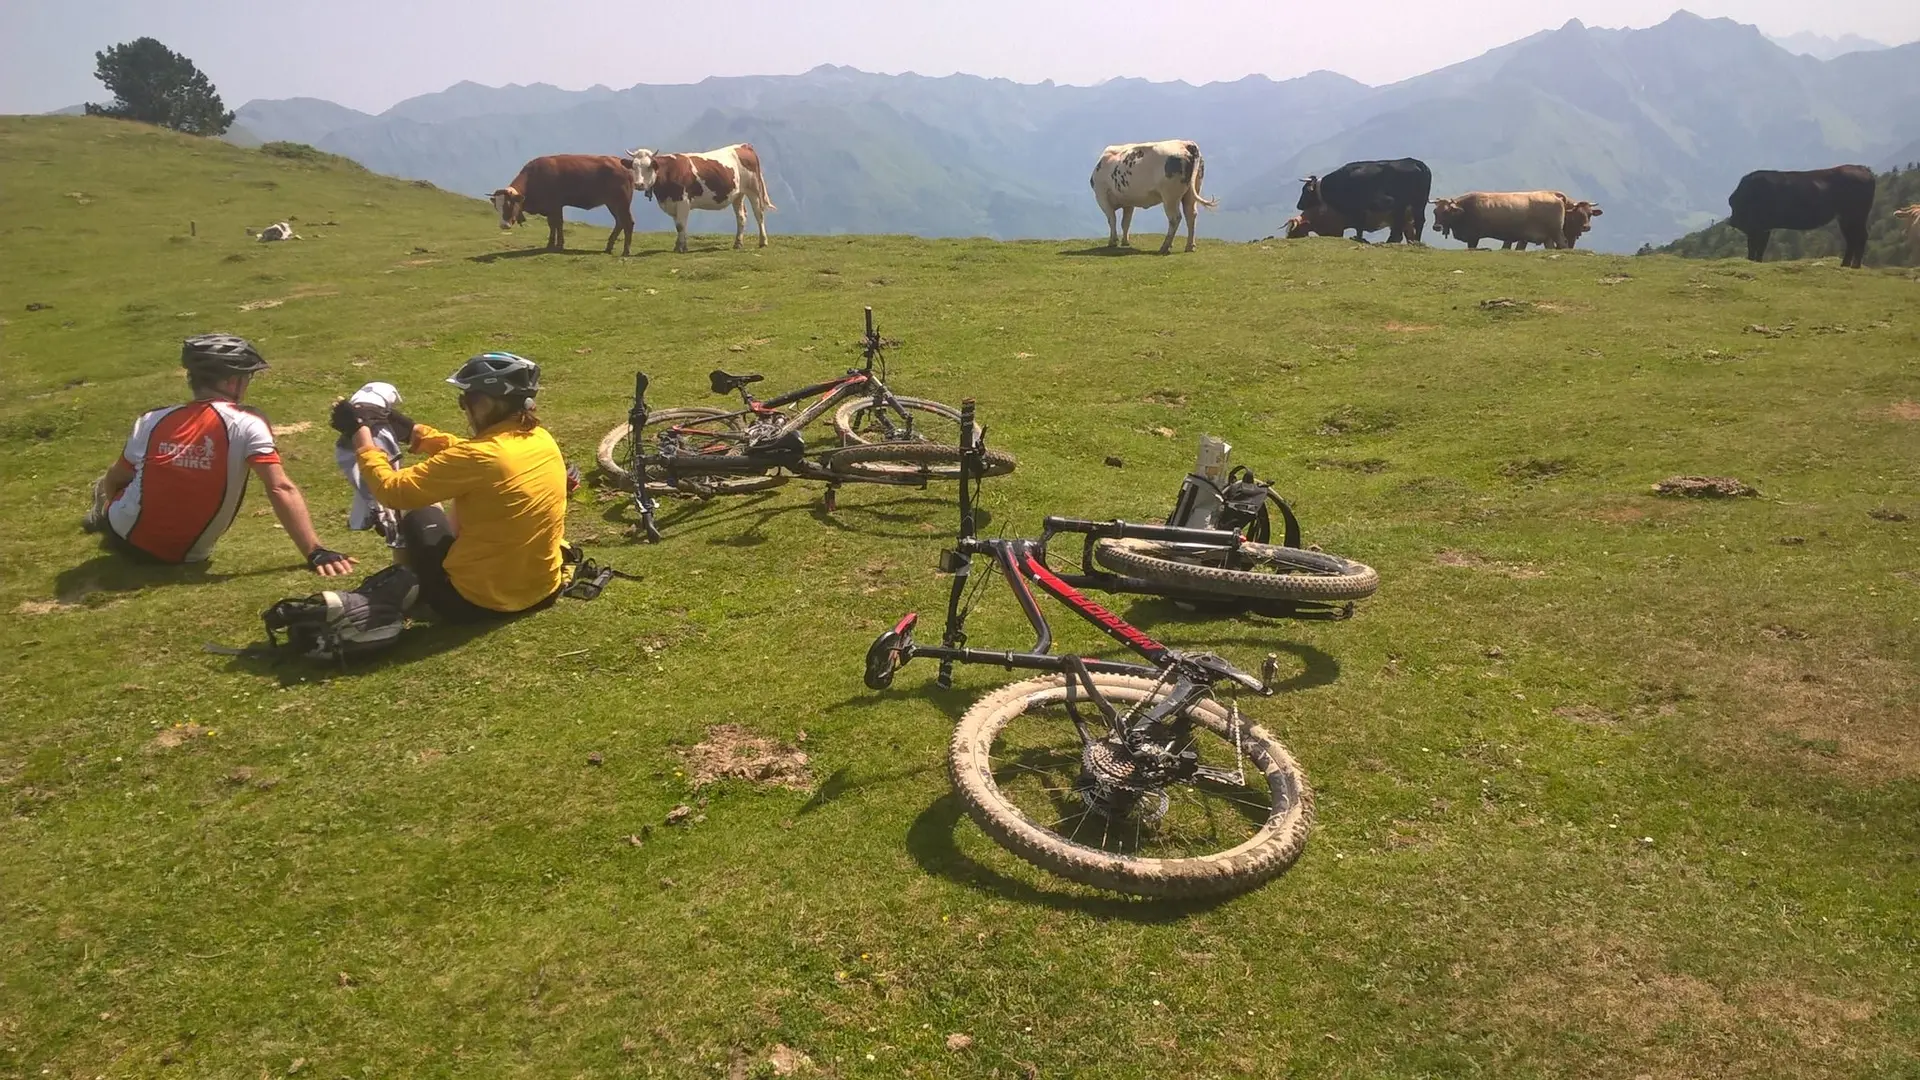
(639, 385)
(1169, 534)
(869, 320)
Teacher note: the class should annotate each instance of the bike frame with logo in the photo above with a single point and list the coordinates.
(857, 382)
(1022, 563)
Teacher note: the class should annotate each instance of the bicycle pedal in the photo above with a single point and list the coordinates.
(952, 562)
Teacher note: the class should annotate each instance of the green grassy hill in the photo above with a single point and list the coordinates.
(1886, 235)
(1609, 785)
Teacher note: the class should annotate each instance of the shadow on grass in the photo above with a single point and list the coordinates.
(1103, 251)
(113, 572)
(418, 642)
(527, 253)
(930, 839)
(899, 518)
(839, 784)
(1161, 610)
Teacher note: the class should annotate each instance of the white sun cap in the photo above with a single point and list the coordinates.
(382, 394)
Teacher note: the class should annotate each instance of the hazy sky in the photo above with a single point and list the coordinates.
(371, 54)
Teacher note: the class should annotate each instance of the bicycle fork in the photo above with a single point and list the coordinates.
(636, 423)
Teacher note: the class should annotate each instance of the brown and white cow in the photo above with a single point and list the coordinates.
(1518, 217)
(710, 180)
(548, 185)
(1132, 176)
(1911, 215)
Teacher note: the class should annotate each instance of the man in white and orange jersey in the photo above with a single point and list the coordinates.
(179, 482)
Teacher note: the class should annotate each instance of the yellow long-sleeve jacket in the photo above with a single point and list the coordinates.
(508, 486)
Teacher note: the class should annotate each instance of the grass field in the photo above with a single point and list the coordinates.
(1609, 785)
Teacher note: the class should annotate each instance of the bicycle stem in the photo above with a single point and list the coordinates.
(636, 423)
(955, 631)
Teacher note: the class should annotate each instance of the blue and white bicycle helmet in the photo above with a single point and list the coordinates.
(499, 374)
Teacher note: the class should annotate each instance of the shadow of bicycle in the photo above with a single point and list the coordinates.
(901, 517)
(932, 843)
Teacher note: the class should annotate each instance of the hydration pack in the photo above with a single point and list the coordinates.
(337, 625)
(1239, 505)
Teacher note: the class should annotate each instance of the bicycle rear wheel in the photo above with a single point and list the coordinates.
(1257, 571)
(1020, 768)
(883, 446)
(704, 430)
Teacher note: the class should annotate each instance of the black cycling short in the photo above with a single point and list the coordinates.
(428, 537)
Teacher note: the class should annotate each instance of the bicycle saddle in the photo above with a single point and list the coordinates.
(724, 383)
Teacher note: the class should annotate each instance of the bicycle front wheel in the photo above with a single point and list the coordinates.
(703, 431)
(1257, 572)
(1020, 767)
(884, 445)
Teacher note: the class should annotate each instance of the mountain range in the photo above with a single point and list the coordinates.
(1655, 124)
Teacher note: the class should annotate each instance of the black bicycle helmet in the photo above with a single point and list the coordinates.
(220, 355)
(499, 374)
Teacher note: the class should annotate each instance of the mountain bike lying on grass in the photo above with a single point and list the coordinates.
(884, 438)
(1138, 777)
(1249, 573)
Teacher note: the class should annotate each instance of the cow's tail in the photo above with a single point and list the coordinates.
(760, 186)
(1199, 174)
(750, 158)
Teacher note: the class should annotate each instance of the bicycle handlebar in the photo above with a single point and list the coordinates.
(1126, 530)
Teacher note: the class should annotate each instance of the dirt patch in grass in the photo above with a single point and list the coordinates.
(1357, 420)
(1621, 514)
(731, 752)
(175, 737)
(304, 292)
(1641, 1020)
(1855, 711)
(1407, 328)
(1704, 487)
(291, 429)
(1360, 465)
(1903, 410)
(1535, 470)
(1467, 560)
(1586, 714)
(46, 607)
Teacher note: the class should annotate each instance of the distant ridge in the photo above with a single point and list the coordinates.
(1656, 124)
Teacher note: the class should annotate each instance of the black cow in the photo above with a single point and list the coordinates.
(1767, 200)
(1360, 190)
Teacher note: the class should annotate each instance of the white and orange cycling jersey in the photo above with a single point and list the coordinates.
(189, 467)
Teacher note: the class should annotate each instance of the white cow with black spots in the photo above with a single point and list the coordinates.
(1135, 175)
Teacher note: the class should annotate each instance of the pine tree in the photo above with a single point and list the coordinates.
(155, 85)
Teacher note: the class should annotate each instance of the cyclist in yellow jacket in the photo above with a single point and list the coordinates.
(499, 553)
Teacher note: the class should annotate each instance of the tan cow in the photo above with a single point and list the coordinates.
(1520, 217)
(1136, 175)
(1580, 217)
(712, 180)
(1911, 215)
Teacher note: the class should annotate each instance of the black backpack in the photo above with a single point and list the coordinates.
(1243, 508)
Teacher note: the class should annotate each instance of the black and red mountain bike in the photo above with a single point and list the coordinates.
(1142, 777)
(880, 438)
